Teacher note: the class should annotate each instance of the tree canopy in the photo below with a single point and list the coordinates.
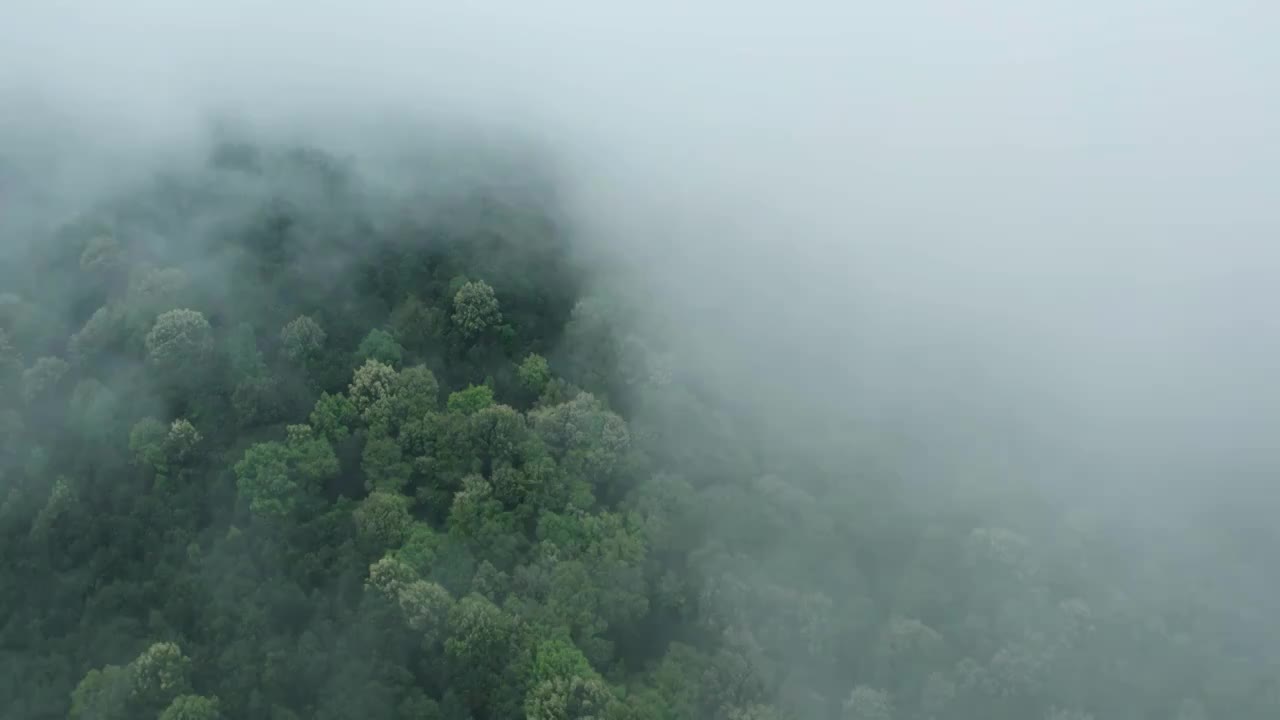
(275, 445)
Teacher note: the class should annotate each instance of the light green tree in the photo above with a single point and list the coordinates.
(471, 400)
(485, 653)
(383, 520)
(569, 698)
(160, 674)
(146, 443)
(103, 695)
(372, 383)
(381, 346)
(587, 438)
(141, 689)
(534, 374)
(275, 476)
(302, 338)
(191, 707)
(475, 309)
(181, 440)
(426, 606)
(333, 417)
(180, 340)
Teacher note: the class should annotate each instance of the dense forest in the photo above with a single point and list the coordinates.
(285, 439)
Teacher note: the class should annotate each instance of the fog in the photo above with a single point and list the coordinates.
(1043, 230)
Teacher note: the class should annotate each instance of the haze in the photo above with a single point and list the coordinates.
(1040, 231)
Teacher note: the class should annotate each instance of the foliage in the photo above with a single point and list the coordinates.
(191, 707)
(534, 374)
(383, 520)
(475, 309)
(302, 338)
(471, 400)
(276, 476)
(297, 461)
(179, 339)
(381, 346)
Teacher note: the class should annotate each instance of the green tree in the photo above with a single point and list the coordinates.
(180, 340)
(373, 383)
(426, 607)
(419, 549)
(585, 437)
(383, 464)
(479, 518)
(302, 339)
(570, 698)
(412, 395)
(103, 695)
(534, 374)
(471, 400)
(160, 674)
(379, 345)
(62, 500)
(191, 707)
(475, 309)
(147, 444)
(416, 394)
(275, 477)
(485, 653)
(141, 689)
(264, 477)
(182, 440)
(333, 417)
(557, 658)
(383, 521)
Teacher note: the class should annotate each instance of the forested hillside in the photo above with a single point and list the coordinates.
(283, 440)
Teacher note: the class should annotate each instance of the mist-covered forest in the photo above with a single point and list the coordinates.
(658, 361)
(283, 439)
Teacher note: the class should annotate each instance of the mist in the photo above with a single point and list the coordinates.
(1006, 249)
